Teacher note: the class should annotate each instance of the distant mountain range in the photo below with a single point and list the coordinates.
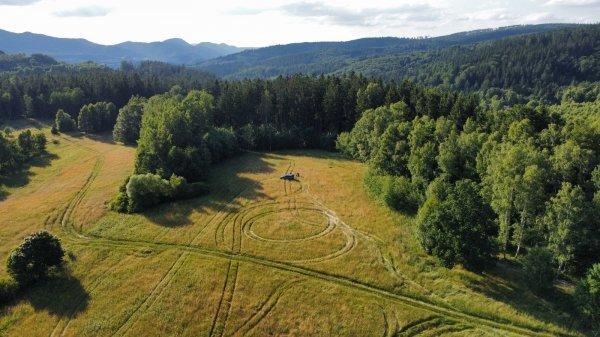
(368, 55)
(331, 57)
(175, 51)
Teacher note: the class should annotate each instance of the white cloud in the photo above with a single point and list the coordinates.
(86, 12)
(542, 17)
(18, 2)
(573, 3)
(495, 14)
(343, 16)
(253, 23)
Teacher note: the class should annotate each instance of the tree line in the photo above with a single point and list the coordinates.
(40, 92)
(520, 181)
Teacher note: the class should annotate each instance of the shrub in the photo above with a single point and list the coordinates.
(35, 257)
(119, 203)
(400, 194)
(64, 122)
(374, 183)
(397, 193)
(587, 295)
(39, 143)
(539, 270)
(146, 190)
(143, 191)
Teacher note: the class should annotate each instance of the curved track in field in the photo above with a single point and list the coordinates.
(235, 256)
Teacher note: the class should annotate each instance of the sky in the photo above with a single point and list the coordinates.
(256, 23)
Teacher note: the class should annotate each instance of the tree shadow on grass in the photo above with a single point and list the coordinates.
(23, 175)
(226, 181)
(62, 295)
(26, 123)
(505, 283)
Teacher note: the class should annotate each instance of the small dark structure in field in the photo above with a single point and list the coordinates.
(288, 176)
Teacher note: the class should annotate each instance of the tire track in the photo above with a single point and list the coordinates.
(91, 241)
(149, 300)
(332, 278)
(418, 325)
(81, 300)
(265, 308)
(220, 319)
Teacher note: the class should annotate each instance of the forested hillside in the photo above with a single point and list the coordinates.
(327, 57)
(536, 64)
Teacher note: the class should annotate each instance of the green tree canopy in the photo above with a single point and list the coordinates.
(33, 259)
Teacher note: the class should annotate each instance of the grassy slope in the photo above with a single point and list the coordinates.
(248, 259)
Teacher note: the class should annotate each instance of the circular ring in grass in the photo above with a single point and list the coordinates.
(285, 225)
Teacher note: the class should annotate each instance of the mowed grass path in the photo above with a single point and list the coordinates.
(256, 257)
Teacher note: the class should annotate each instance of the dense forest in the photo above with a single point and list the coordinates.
(327, 57)
(489, 181)
(534, 64)
(42, 89)
(316, 106)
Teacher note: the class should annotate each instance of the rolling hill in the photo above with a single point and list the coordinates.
(176, 51)
(329, 57)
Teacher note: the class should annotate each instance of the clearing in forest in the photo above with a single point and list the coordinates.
(258, 256)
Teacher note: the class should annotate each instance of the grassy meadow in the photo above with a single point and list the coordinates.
(256, 257)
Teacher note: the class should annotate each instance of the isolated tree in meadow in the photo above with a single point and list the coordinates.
(33, 259)
(30, 144)
(455, 225)
(129, 120)
(9, 155)
(64, 122)
(565, 218)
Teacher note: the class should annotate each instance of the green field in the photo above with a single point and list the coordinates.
(258, 256)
